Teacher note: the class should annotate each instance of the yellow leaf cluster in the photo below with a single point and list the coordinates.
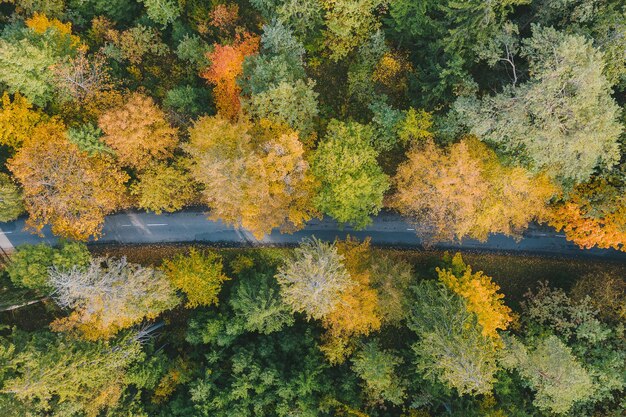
(254, 176)
(481, 295)
(392, 70)
(138, 132)
(17, 120)
(40, 23)
(356, 312)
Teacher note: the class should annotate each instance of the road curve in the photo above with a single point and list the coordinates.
(386, 229)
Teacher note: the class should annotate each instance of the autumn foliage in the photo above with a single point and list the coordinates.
(464, 191)
(17, 120)
(254, 175)
(199, 275)
(226, 66)
(63, 186)
(593, 215)
(481, 295)
(138, 132)
(356, 312)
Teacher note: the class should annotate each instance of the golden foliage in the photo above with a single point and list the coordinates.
(594, 214)
(199, 275)
(163, 188)
(466, 191)
(356, 312)
(392, 71)
(63, 186)
(40, 23)
(138, 132)
(17, 120)
(226, 66)
(254, 176)
(481, 295)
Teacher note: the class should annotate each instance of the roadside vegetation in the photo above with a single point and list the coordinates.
(324, 329)
(467, 117)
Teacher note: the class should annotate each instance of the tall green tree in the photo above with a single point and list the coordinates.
(451, 348)
(550, 369)
(377, 368)
(313, 278)
(563, 120)
(352, 182)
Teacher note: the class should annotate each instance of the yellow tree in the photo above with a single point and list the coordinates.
(356, 312)
(17, 120)
(465, 191)
(481, 295)
(138, 132)
(440, 190)
(163, 188)
(199, 275)
(63, 186)
(516, 197)
(254, 176)
(40, 23)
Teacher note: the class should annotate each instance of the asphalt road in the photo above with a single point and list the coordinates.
(387, 229)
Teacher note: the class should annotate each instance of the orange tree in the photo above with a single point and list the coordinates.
(594, 214)
(226, 66)
(138, 132)
(65, 187)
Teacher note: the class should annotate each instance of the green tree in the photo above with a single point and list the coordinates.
(451, 348)
(275, 81)
(30, 264)
(256, 300)
(162, 11)
(550, 369)
(313, 278)
(11, 204)
(352, 182)
(596, 342)
(292, 104)
(51, 370)
(193, 49)
(198, 274)
(563, 120)
(348, 24)
(87, 138)
(278, 375)
(377, 368)
(26, 57)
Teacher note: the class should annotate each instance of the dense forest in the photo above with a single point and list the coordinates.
(467, 117)
(325, 329)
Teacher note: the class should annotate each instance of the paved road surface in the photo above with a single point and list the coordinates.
(387, 229)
